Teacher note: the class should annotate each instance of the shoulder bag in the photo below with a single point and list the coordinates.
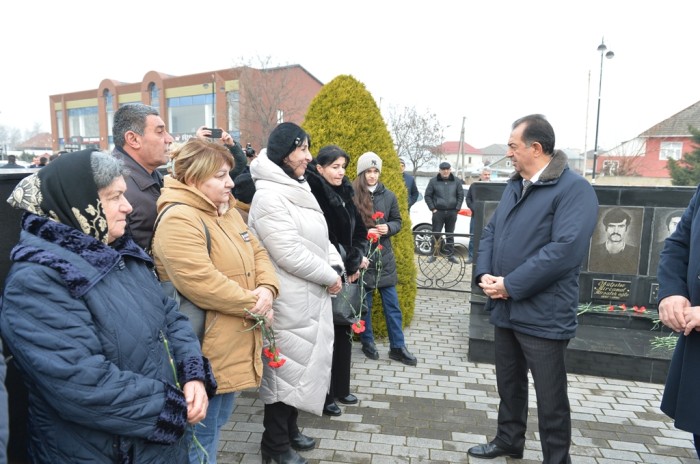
(194, 313)
(347, 305)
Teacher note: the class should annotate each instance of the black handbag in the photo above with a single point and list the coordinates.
(347, 305)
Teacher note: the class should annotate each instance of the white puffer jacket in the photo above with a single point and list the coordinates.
(288, 221)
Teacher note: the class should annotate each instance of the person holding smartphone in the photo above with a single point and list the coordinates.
(218, 134)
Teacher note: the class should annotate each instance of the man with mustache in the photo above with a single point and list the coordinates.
(615, 255)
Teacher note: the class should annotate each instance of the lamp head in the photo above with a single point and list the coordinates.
(609, 55)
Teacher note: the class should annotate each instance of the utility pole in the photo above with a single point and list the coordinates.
(460, 156)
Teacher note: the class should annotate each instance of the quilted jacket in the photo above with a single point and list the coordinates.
(87, 324)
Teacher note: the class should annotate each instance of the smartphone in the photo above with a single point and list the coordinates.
(215, 133)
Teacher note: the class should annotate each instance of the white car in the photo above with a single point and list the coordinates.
(422, 221)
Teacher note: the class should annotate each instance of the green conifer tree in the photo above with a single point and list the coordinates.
(686, 171)
(345, 114)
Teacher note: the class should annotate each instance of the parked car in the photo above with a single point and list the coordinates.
(422, 222)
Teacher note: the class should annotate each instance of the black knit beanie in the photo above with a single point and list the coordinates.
(284, 139)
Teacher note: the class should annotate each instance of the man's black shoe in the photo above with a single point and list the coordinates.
(350, 399)
(332, 410)
(403, 355)
(301, 442)
(492, 450)
(432, 259)
(452, 259)
(288, 457)
(370, 350)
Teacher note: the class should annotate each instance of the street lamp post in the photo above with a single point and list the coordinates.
(602, 49)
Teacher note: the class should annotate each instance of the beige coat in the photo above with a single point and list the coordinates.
(220, 282)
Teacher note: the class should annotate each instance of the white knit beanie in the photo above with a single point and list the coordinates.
(368, 160)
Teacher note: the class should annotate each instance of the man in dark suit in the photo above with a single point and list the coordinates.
(679, 309)
(527, 267)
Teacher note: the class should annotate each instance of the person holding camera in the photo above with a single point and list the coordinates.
(250, 155)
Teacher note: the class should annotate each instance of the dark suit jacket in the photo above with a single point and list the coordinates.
(678, 275)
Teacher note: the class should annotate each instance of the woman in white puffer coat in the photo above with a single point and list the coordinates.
(288, 221)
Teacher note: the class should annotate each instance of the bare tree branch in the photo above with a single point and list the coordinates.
(417, 137)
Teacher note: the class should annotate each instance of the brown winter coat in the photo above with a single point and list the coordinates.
(220, 282)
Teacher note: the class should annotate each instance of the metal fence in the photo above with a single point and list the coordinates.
(438, 267)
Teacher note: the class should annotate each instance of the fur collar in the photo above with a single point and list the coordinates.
(336, 196)
(553, 171)
(80, 259)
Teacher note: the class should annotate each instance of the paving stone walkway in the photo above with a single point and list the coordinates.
(434, 412)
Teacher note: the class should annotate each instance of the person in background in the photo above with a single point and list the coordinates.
(243, 191)
(348, 234)
(289, 222)
(528, 266)
(35, 162)
(250, 155)
(679, 309)
(143, 144)
(229, 275)
(444, 196)
(371, 197)
(114, 372)
(484, 176)
(410, 182)
(12, 163)
(4, 410)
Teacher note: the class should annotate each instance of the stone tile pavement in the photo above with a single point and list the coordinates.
(434, 412)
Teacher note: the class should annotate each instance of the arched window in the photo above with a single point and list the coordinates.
(155, 99)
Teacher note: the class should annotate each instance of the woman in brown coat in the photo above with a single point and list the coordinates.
(203, 246)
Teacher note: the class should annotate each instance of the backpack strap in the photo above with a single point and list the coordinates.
(206, 229)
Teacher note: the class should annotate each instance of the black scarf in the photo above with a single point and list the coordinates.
(64, 191)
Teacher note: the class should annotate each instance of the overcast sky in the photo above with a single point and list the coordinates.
(490, 62)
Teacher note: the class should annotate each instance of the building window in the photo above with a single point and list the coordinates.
(155, 99)
(280, 116)
(59, 126)
(109, 110)
(671, 150)
(187, 114)
(84, 122)
(233, 100)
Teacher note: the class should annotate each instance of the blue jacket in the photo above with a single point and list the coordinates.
(538, 244)
(87, 325)
(679, 274)
(4, 411)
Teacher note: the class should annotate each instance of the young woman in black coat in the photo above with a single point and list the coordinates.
(347, 232)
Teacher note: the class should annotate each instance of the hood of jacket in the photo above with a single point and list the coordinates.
(267, 175)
